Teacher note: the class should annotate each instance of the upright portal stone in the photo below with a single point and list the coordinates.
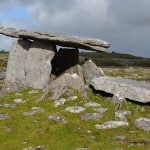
(15, 74)
(38, 64)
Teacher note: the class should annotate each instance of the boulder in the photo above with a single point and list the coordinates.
(61, 84)
(38, 64)
(16, 71)
(91, 71)
(126, 88)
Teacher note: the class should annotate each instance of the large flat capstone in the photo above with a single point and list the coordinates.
(125, 88)
(66, 41)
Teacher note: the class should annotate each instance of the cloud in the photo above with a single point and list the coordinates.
(124, 23)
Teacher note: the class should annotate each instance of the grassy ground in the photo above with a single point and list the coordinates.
(19, 131)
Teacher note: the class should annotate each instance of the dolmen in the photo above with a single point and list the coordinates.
(35, 61)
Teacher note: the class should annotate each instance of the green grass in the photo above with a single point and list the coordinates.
(30, 131)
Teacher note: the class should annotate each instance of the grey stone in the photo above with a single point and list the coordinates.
(120, 137)
(111, 124)
(16, 72)
(143, 123)
(66, 41)
(75, 109)
(100, 109)
(18, 101)
(33, 92)
(91, 71)
(59, 102)
(121, 114)
(33, 111)
(81, 149)
(8, 105)
(92, 104)
(57, 118)
(61, 85)
(39, 147)
(38, 64)
(72, 98)
(3, 116)
(125, 88)
(91, 116)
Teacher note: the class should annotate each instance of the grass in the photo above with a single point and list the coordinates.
(31, 131)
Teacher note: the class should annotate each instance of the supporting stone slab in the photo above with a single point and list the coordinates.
(38, 64)
(16, 72)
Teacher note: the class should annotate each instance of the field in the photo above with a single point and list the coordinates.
(25, 124)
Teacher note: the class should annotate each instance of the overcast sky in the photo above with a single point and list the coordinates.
(124, 23)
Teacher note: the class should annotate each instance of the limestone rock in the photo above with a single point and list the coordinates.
(38, 64)
(61, 84)
(3, 116)
(57, 118)
(33, 111)
(75, 109)
(121, 114)
(91, 71)
(111, 124)
(126, 88)
(16, 71)
(143, 123)
(91, 116)
(66, 41)
(91, 104)
(100, 109)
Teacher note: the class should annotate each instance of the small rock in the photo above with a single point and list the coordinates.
(72, 98)
(91, 116)
(18, 101)
(3, 116)
(57, 119)
(59, 102)
(33, 92)
(120, 137)
(82, 149)
(111, 124)
(121, 114)
(33, 111)
(75, 109)
(100, 110)
(8, 105)
(143, 123)
(91, 104)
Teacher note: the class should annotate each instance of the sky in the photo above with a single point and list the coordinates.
(124, 23)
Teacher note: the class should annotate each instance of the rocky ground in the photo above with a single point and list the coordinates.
(76, 120)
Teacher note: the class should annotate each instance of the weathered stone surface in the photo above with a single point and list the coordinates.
(33, 111)
(3, 116)
(91, 104)
(38, 64)
(111, 124)
(16, 71)
(18, 101)
(60, 85)
(67, 41)
(8, 105)
(120, 114)
(59, 102)
(75, 109)
(100, 109)
(126, 88)
(57, 118)
(143, 123)
(91, 116)
(91, 71)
